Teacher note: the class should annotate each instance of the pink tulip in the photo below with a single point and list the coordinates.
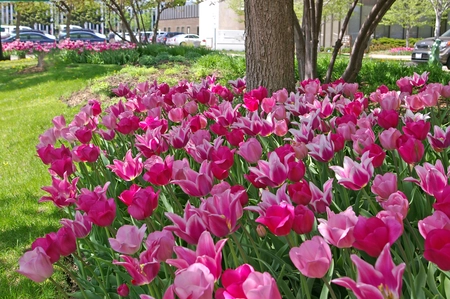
(394, 223)
(127, 195)
(300, 192)
(321, 148)
(221, 212)
(353, 175)
(396, 203)
(433, 178)
(303, 220)
(362, 138)
(61, 166)
(384, 185)
(371, 235)
(66, 241)
(388, 119)
(388, 138)
(260, 286)
(206, 253)
(250, 150)
(195, 282)
(321, 200)
(129, 169)
(390, 101)
(159, 171)
(102, 213)
(441, 139)
(35, 265)
(379, 282)
(145, 201)
(128, 124)
(437, 248)
(49, 245)
(62, 192)
(270, 173)
(312, 258)
(410, 149)
(128, 239)
(81, 225)
(437, 220)
(196, 183)
(417, 129)
(278, 218)
(235, 137)
(338, 229)
(443, 201)
(232, 281)
(123, 290)
(151, 143)
(162, 243)
(190, 227)
(142, 271)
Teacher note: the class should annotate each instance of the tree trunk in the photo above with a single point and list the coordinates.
(155, 28)
(407, 31)
(17, 25)
(312, 19)
(338, 44)
(437, 25)
(362, 40)
(68, 16)
(299, 40)
(269, 44)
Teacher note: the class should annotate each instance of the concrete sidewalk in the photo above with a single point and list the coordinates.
(386, 56)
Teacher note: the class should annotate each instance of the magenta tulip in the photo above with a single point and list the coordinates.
(232, 281)
(379, 282)
(62, 192)
(300, 192)
(388, 119)
(123, 290)
(145, 201)
(321, 148)
(66, 241)
(371, 235)
(159, 171)
(443, 201)
(437, 248)
(196, 183)
(278, 218)
(86, 153)
(49, 245)
(190, 227)
(81, 225)
(303, 220)
(142, 271)
(36, 265)
(411, 150)
(440, 140)
(417, 129)
(312, 258)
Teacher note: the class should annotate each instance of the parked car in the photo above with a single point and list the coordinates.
(186, 40)
(84, 35)
(162, 38)
(422, 49)
(32, 36)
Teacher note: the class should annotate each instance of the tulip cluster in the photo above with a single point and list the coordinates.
(204, 191)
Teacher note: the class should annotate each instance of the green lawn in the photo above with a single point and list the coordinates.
(28, 102)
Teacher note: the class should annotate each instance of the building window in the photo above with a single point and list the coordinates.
(182, 29)
(178, 29)
(165, 29)
(198, 30)
(168, 29)
(188, 29)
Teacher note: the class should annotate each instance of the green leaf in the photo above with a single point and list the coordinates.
(447, 287)
(87, 294)
(420, 281)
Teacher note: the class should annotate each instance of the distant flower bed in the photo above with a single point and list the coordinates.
(401, 50)
(22, 48)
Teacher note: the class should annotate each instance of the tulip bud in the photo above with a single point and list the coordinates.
(261, 231)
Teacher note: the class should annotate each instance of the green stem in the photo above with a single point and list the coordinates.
(63, 293)
(305, 286)
(73, 278)
(100, 282)
(333, 295)
(241, 250)
(408, 269)
(233, 253)
(254, 246)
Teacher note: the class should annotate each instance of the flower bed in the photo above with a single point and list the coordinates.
(200, 191)
(401, 50)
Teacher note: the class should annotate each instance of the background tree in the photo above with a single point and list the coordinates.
(88, 13)
(439, 7)
(408, 14)
(269, 44)
(67, 7)
(160, 6)
(34, 13)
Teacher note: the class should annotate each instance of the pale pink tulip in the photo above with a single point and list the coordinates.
(338, 229)
(128, 239)
(260, 286)
(35, 265)
(384, 185)
(312, 258)
(438, 220)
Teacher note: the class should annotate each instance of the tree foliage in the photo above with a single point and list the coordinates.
(439, 7)
(408, 14)
(34, 13)
(88, 13)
